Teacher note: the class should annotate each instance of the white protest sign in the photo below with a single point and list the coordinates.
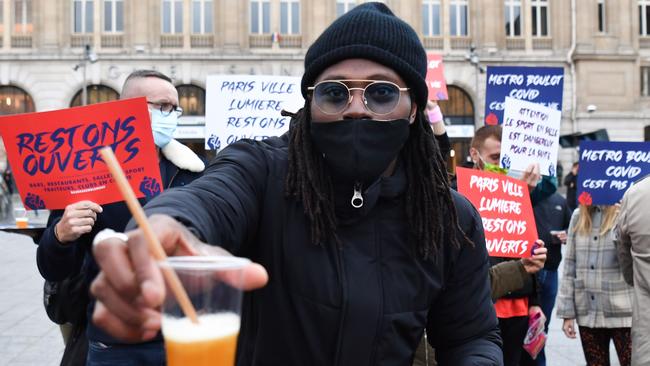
(531, 133)
(248, 107)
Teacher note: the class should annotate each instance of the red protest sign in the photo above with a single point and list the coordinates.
(436, 78)
(55, 157)
(504, 205)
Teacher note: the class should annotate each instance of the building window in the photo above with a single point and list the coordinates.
(458, 18)
(172, 16)
(15, 100)
(113, 16)
(602, 16)
(431, 18)
(192, 99)
(540, 18)
(644, 16)
(23, 16)
(96, 94)
(290, 17)
(513, 18)
(343, 6)
(260, 16)
(645, 81)
(83, 16)
(202, 16)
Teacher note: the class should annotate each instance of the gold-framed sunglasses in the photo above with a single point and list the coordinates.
(379, 97)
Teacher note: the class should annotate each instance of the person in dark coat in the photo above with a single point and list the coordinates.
(65, 247)
(552, 218)
(356, 235)
(571, 183)
(515, 306)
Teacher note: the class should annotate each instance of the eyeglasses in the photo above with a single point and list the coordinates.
(333, 96)
(167, 108)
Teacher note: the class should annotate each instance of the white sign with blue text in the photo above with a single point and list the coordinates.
(531, 133)
(248, 107)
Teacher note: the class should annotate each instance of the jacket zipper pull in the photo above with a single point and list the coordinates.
(357, 198)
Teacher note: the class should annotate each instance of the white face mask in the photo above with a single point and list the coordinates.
(163, 127)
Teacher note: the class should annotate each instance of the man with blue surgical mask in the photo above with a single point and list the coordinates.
(162, 98)
(65, 249)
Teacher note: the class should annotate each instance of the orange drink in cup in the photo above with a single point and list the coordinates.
(22, 221)
(213, 284)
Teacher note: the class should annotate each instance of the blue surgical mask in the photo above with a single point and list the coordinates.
(163, 127)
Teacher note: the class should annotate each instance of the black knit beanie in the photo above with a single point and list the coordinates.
(370, 31)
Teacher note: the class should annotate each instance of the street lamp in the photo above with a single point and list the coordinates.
(473, 59)
(88, 56)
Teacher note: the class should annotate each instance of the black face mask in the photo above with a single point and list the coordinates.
(359, 151)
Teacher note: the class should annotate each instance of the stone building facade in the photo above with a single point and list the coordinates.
(603, 46)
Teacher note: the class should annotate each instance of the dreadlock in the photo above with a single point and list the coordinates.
(429, 205)
(430, 208)
(307, 180)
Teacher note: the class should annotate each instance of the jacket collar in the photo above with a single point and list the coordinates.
(385, 187)
(182, 157)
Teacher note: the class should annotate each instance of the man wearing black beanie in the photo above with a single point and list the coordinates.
(359, 243)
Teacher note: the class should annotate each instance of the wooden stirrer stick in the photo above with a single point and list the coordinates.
(154, 245)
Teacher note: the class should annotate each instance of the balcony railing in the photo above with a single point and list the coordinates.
(112, 40)
(202, 40)
(460, 43)
(171, 41)
(435, 43)
(542, 43)
(515, 43)
(290, 41)
(21, 41)
(644, 42)
(81, 40)
(260, 40)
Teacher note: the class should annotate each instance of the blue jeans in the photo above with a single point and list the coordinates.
(547, 280)
(150, 353)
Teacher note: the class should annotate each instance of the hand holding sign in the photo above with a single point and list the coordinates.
(535, 262)
(78, 219)
(531, 175)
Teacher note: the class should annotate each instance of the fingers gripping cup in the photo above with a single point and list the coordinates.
(213, 285)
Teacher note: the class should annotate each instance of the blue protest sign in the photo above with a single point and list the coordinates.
(542, 85)
(608, 169)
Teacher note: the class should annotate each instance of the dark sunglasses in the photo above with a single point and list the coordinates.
(333, 96)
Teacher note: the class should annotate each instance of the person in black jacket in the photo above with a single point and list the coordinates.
(65, 247)
(515, 306)
(349, 214)
(571, 183)
(552, 218)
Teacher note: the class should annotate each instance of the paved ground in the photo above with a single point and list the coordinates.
(27, 337)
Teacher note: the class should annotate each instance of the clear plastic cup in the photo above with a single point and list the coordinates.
(213, 284)
(22, 221)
